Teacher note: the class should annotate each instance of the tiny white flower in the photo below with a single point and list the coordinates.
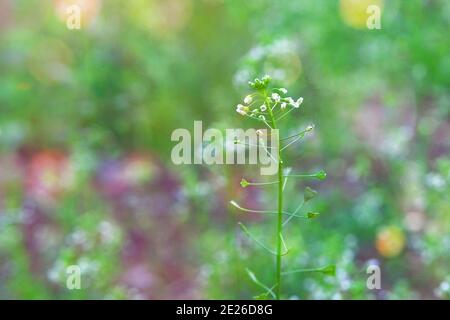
(290, 100)
(283, 105)
(283, 90)
(297, 103)
(261, 117)
(248, 99)
(276, 97)
(263, 107)
(241, 109)
(259, 132)
(241, 112)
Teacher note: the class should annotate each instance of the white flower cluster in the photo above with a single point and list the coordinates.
(275, 97)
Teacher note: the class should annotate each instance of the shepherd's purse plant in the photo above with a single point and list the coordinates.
(269, 105)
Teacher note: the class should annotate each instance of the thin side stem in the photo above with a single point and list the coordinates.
(294, 213)
(261, 183)
(290, 214)
(285, 114)
(251, 236)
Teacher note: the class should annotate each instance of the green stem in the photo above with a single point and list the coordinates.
(280, 223)
(280, 213)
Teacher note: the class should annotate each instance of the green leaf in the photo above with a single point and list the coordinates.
(309, 194)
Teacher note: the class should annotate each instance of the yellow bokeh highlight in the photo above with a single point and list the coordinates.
(390, 241)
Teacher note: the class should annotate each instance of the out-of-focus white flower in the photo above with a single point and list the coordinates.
(283, 105)
(443, 290)
(283, 90)
(56, 272)
(444, 286)
(276, 97)
(372, 262)
(79, 238)
(242, 77)
(261, 117)
(396, 141)
(259, 132)
(263, 107)
(435, 181)
(257, 53)
(337, 296)
(108, 232)
(248, 99)
(88, 265)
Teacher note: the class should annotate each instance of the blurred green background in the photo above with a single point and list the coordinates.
(86, 176)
